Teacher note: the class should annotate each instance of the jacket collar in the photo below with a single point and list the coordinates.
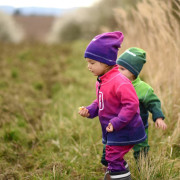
(109, 75)
(136, 81)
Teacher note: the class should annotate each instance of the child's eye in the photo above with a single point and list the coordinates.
(122, 69)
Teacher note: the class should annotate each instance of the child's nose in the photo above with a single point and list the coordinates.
(89, 66)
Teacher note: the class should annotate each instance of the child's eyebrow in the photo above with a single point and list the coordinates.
(90, 61)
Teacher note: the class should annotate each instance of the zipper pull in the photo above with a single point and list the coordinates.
(99, 80)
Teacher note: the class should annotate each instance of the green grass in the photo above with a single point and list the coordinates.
(42, 136)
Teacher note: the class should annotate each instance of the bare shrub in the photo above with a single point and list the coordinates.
(9, 31)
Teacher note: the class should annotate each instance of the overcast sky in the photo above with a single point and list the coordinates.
(47, 3)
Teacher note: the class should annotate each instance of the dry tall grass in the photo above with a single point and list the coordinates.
(154, 27)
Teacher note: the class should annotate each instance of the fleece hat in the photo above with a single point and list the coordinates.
(104, 47)
(133, 59)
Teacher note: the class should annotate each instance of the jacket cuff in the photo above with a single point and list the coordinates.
(92, 113)
(158, 115)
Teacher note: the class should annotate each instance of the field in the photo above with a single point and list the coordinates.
(43, 137)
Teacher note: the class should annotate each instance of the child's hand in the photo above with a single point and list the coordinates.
(109, 128)
(83, 111)
(160, 124)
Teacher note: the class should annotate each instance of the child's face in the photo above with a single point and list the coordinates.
(96, 67)
(126, 73)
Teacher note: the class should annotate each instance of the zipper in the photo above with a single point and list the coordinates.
(99, 86)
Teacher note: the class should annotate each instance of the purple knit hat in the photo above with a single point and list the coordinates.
(104, 47)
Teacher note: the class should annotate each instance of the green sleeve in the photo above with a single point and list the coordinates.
(153, 104)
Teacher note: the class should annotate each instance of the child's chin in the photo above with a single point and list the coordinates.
(94, 74)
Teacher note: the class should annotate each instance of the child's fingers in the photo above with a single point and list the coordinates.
(109, 128)
(156, 125)
(83, 111)
(161, 125)
(85, 114)
(164, 127)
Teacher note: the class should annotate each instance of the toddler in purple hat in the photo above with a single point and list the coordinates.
(116, 104)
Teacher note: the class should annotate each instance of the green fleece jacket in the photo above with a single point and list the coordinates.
(148, 101)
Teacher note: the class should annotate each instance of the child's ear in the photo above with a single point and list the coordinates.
(134, 77)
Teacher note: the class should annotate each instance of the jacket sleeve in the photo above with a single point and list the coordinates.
(130, 105)
(153, 104)
(93, 109)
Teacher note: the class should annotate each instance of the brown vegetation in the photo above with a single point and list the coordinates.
(154, 27)
(36, 27)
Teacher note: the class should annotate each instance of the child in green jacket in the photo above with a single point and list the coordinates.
(130, 64)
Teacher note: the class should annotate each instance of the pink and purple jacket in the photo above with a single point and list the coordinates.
(117, 103)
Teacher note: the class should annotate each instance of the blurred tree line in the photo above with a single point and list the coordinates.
(84, 23)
